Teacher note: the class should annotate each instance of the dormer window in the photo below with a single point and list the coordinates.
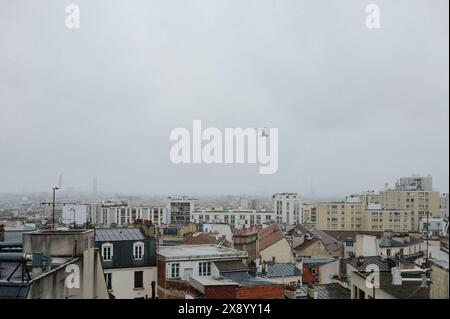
(138, 250)
(107, 251)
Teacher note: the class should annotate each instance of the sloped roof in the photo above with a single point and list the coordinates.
(331, 244)
(327, 291)
(118, 234)
(269, 236)
(230, 266)
(407, 290)
(383, 264)
(343, 235)
(281, 269)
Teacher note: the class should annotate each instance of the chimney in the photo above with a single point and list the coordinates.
(360, 261)
(387, 233)
(2, 232)
(311, 291)
(148, 228)
(299, 264)
(407, 238)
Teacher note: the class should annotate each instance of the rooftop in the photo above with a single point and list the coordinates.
(363, 263)
(343, 235)
(441, 263)
(281, 269)
(244, 279)
(269, 236)
(326, 291)
(397, 241)
(230, 266)
(118, 234)
(187, 252)
(407, 290)
(318, 261)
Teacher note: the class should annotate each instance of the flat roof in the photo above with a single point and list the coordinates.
(205, 251)
(212, 281)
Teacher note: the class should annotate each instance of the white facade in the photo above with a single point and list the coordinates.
(122, 282)
(184, 261)
(287, 208)
(415, 183)
(219, 230)
(179, 210)
(239, 218)
(108, 213)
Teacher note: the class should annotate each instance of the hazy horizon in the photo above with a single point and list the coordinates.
(355, 107)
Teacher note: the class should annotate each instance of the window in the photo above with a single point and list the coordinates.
(204, 269)
(138, 250)
(138, 279)
(175, 271)
(388, 252)
(107, 252)
(108, 280)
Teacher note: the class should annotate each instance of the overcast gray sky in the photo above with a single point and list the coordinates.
(355, 107)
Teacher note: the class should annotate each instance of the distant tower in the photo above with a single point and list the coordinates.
(95, 185)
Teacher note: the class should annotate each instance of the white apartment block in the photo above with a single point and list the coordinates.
(107, 214)
(287, 208)
(414, 183)
(180, 210)
(237, 218)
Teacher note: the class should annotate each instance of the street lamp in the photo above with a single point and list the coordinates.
(54, 190)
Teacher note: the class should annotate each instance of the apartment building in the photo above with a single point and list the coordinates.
(378, 219)
(237, 218)
(52, 265)
(210, 272)
(129, 261)
(108, 213)
(180, 210)
(309, 214)
(287, 208)
(400, 209)
(419, 203)
(344, 215)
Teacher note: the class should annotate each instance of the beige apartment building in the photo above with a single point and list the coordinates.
(418, 203)
(309, 214)
(345, 215)
(397, 211)
(378, 219)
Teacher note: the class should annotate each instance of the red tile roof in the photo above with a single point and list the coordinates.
(269, 236)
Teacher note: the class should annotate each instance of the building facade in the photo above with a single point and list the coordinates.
(129, 262)
(287, 208)
(237, 218)
(180, 210)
